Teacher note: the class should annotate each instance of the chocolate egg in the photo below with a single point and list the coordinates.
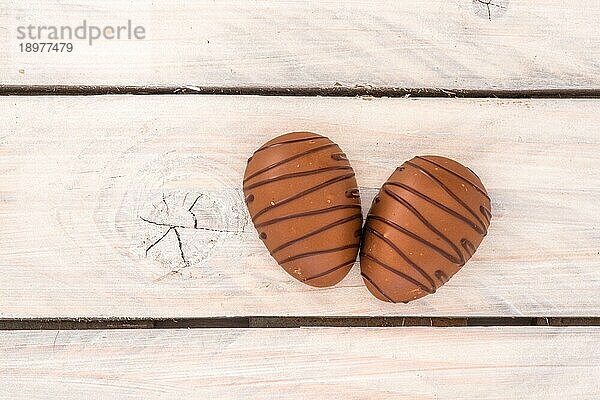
(303, 199)
(426, 222)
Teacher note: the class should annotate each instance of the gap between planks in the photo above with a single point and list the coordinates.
(285, 322)
(332, 91)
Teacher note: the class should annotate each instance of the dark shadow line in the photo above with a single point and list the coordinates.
(8, 324)
(331, 91)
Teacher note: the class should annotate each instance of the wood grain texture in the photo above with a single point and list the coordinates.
(89, 184)
(425, 44)
(352, 363)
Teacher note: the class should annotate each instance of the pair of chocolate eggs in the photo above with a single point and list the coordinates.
(426, 222)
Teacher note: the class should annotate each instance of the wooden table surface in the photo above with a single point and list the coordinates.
(509, 88)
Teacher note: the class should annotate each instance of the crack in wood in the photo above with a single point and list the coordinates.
(176, 229)
(488, 4)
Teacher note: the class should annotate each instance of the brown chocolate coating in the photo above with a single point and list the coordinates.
(303, 199)
(426, 222)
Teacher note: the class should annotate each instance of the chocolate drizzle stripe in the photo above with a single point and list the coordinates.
(450, 192)
(477, 187)
(308, 214)
(339, 157)
(420, 216)
(486, 214)
(296, 174)
(416, 237)
(316, 232)
(441, 275)
(319, 252)
(468, 246)
(450, 211)
(302, 194)
(329, 271)
(352, 193)
(406, 259)
(294, 157)
(376, 287)
(399, 273)
(268, 146)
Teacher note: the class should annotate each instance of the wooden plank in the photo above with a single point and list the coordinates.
(399, 363)
(423, 44)
(80, 173)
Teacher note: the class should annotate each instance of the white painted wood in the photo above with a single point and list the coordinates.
(334, 363)
(78, 173)
(320, 43)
